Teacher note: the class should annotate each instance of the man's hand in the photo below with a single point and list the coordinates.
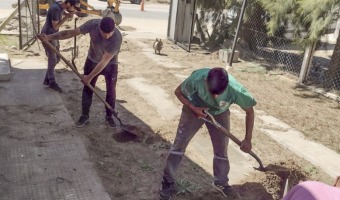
(44, 36)
(246, 146)
(69, 15)
(86, 79)
(199, 111)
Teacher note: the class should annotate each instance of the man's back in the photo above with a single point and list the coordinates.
(98, 44)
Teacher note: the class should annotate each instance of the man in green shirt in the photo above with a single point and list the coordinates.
(213, 91)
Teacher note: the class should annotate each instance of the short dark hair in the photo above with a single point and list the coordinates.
(217, 80)
(107, 24)
(75, 3)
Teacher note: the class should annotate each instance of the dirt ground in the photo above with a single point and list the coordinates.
(133, 169)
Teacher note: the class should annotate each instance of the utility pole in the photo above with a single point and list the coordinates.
(236, 34)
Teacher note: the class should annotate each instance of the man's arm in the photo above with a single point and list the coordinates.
(246, 143)
(57, 24)
(98, 68)
(197, 110)
(62, 35)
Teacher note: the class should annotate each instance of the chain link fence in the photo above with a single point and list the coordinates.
(278, 51)
(324, 70)
(28, 21)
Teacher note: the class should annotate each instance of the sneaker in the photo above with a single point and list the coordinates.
(110, 122)
(226, 191)
(54, 86)
(84, 119)
(166, 190)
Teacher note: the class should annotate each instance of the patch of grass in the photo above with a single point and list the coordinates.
(184, 186)
(7, 40)
(145, 166)
(119, 173)
(195, 166)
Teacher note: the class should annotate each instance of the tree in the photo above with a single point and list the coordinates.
(310, 16)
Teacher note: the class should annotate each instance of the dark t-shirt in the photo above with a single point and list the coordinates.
(100, 45)
(54, 14)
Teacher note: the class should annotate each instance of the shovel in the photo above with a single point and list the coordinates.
(270, 168)
(126, 129)
(75, 48)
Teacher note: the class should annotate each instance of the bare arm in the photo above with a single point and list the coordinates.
(98, 68)
(250, 116)
(101, 65)
(62, 35)
(197, 110)
(57, 24)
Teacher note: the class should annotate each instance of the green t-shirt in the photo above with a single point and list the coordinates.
(196, 91)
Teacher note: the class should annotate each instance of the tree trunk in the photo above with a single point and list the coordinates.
(333, 72)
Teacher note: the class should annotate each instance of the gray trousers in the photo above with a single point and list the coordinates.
(189, 124)
(52, 61)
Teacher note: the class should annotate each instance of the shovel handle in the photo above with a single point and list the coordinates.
(74, 70)
(75, 50)
(232, 137)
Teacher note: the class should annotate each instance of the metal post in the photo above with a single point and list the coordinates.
(192, 23)
(236, 34)
(20, 25)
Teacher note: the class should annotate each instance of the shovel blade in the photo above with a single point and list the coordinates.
(127, 133)
(279, 170)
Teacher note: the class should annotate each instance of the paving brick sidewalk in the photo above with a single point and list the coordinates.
(42, 155)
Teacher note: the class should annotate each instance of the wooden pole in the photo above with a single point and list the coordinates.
(307, 60)
(142, 6)
(4, 23)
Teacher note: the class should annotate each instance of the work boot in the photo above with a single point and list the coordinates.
(110, 122)
(84, 119)
(54, 86)
(166, 190)
(226, 190)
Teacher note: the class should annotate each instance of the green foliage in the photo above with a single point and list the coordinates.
(306, 16)
(311, 16)
(280, 11)
(144, 165)
(184, 186)
(119, 173)
(216, 5)
(316, 16)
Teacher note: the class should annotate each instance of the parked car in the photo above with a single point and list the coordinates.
(135, 1)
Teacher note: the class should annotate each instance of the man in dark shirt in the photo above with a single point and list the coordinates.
(102, 59)
(54, 20)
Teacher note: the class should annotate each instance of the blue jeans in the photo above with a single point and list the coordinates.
(52, 61)
(110, 73)
(188, 125)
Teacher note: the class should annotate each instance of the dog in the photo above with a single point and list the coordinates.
(157, 46)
